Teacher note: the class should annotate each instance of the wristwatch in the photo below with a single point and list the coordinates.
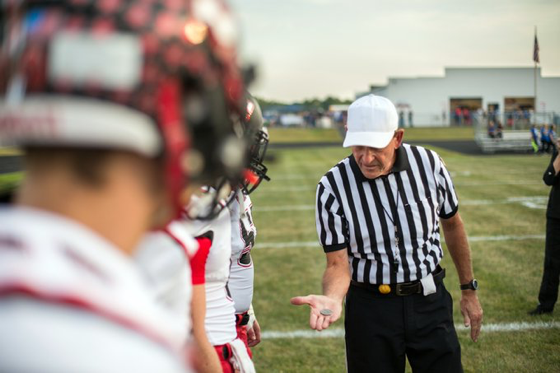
(472, 285)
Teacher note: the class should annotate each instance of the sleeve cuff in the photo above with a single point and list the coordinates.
(550, 177)
(449, 214)
(331, 248)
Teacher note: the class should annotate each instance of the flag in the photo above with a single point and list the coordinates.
(536, 50)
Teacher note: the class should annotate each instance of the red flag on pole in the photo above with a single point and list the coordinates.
(536, 50)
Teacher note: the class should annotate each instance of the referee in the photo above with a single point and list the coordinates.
(378, 214)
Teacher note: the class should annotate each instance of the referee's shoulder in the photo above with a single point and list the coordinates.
(420, 152)
(420, 149)
(325, 180)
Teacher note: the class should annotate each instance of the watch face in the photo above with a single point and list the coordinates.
(474, 284)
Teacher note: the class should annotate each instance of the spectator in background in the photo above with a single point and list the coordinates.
(546, 143)
(510, 120)
(492, 129)
(410, 117)
(552, 134)
(401, 119)
(535, 142)
(479, 115)
(500, 130)
(458, 116)
(548, 293)
(467, 116)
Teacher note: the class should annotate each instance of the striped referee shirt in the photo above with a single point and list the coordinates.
(390, 224)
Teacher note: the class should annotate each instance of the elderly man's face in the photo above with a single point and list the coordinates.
(375, 162)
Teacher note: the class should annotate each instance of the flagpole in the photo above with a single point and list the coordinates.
(535, 79)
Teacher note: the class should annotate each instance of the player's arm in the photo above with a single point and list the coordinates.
(458, 246)
(253, 329)
(336, 280)
(207, 360)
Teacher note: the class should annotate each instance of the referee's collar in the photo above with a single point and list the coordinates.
(401, 164)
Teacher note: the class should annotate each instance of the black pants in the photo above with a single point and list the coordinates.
(548, 295)
(381, 330)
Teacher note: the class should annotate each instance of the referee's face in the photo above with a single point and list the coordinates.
(375, 162)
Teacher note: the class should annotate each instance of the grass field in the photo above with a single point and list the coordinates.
(502, 201)
(289, 135)
(9, 181)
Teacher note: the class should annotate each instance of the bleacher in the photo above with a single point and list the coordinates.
(512, 140)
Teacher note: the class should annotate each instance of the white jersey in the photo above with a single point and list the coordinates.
(164, 257)
(243, 234)
(71, 302)
(220, 311)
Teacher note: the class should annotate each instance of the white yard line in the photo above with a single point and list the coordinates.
(486, 328)
(293, 244)
(507, 238)
(283, 208)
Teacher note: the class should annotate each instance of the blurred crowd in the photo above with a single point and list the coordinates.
(543, 139)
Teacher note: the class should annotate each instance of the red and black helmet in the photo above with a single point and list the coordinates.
(149, 76)
(257, 137)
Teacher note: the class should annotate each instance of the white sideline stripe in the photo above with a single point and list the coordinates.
(507, 238)
(287, 245)
(530, 201)
(283, 208)
(486, 328)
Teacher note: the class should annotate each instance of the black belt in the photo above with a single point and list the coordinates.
(402, 289)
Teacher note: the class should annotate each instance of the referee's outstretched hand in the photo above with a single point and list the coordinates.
(317, 303)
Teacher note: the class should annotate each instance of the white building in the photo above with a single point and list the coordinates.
(435, 100)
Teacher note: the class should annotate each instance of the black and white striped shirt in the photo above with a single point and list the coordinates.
(389, 225)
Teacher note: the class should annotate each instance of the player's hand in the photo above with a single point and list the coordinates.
(254, 334)
(472, 312)
(318, 303)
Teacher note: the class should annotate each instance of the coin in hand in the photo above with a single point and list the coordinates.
(325, 312)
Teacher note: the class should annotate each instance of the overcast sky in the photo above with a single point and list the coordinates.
(315, 48)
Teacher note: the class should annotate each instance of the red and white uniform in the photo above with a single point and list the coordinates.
(220, 324)
(243, 234)
(220, 310)
(72, 302)
(242, 275)
(164, 256)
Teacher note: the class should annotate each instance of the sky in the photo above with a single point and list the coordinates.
(316, 48)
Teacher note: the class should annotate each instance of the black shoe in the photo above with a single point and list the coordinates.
(539, 311)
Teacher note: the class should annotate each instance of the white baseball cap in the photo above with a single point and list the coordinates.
(372, 121)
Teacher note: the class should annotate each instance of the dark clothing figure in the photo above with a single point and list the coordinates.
(546, 141)
(548, 294)
(500, 130)
(491, 130)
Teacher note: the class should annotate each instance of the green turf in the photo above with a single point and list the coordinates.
(295, 135)
(9, 151)
(10, 181)
(508, 271)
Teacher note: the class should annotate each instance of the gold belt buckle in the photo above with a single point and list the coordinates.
(384, 289)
